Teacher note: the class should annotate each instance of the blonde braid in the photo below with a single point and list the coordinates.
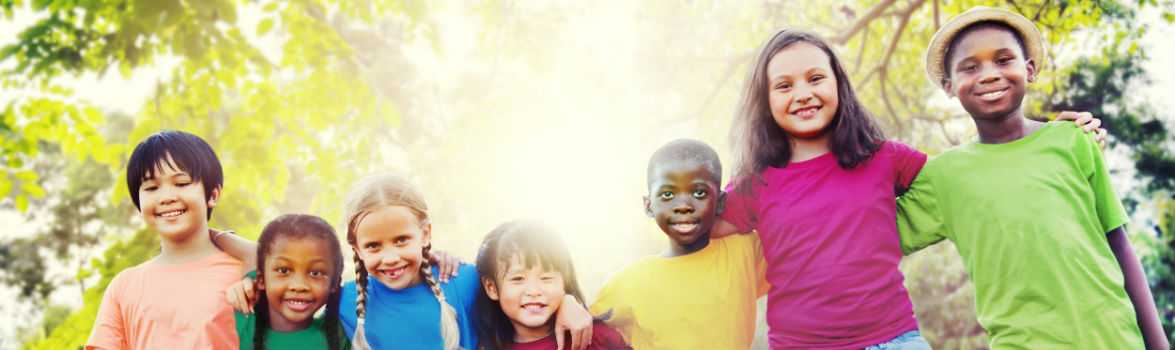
(359, 340)
(450, 332)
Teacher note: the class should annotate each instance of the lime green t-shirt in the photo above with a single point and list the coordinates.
(1030, 218)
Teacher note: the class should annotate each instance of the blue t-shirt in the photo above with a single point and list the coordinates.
(411, 318)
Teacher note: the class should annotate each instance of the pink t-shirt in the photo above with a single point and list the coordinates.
(159, 306)
(832, 247)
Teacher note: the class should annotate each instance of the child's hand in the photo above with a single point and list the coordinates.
(240, 295)
(446, 263)
(573, 317)
(1088, 123)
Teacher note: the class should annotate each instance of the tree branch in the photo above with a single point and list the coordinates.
(862, 22)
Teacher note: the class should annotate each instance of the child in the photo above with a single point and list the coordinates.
(300, 267)
(175, 300)
(389, 230)
(1068, 279)
(526, 273)
(701, 293)
(817, 179)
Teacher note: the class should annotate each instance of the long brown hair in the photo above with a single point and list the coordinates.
(758, 140)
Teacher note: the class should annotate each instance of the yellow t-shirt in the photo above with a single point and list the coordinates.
(704, 300)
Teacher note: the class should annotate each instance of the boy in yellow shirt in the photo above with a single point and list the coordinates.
(699, 294)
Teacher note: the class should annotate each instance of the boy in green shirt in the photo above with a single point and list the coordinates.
(1029, 207)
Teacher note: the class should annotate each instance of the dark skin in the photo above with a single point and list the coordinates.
(989, 74)
(685, 200)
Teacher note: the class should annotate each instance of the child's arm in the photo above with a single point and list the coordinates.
(1138, 290)
(1088, 123)
(236, 246)
(573, 317)
(722, 228)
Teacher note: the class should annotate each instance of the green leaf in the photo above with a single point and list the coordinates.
(264, 26)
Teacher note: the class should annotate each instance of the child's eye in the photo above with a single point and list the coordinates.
(699, 194)
(400, 240)
(816, 78)
(666, 195)
(371, 246)
(316, 273)
(782, 86)
(1004, 60)
(282, 270)
(149, 188)
(515, 279)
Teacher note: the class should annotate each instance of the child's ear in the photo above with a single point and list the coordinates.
(215, 196)
(1031, 67)
(721, 202)
(648, 206)
(491, 289)
(946, 87)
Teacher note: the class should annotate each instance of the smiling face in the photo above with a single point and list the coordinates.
(683, 200)
(803, 95)
(297, 281)
(529, 296)
(173, 204)
(988, 72)
(390, 241)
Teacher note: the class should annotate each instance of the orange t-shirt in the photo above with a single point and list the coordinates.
(160, 306)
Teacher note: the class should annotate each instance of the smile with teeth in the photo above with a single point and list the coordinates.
(534, 307)
(683, 226)
(806, 111)
(297, 304)
(992, 95)
(171, 213)
(393, 273)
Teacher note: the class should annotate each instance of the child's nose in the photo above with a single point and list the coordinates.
(683, 207)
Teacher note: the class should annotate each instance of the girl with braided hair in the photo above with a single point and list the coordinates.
(300, 268)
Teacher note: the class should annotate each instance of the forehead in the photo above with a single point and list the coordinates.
(165, 166)
(682, 170)
(796, 60)
(387, 222)
(301, 249)
(984, 39)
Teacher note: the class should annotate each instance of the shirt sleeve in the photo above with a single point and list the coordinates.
(739, 209)
(908, 163)
(608, 308)
(920, 220)
(109, 330)
(1110, 212)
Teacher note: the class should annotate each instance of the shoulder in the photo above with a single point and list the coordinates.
(736, 242)
(896, 147)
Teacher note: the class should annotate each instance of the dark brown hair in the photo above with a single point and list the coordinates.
(758, 140)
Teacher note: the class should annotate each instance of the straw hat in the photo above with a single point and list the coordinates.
(936, 53)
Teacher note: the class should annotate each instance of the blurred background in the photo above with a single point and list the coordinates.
(499, 110)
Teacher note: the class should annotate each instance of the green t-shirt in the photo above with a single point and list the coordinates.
(313, 337)
(1030, 218)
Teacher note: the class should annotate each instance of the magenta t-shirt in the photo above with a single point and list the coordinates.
(832, 247)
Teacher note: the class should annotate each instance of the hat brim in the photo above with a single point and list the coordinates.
(936, 52)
